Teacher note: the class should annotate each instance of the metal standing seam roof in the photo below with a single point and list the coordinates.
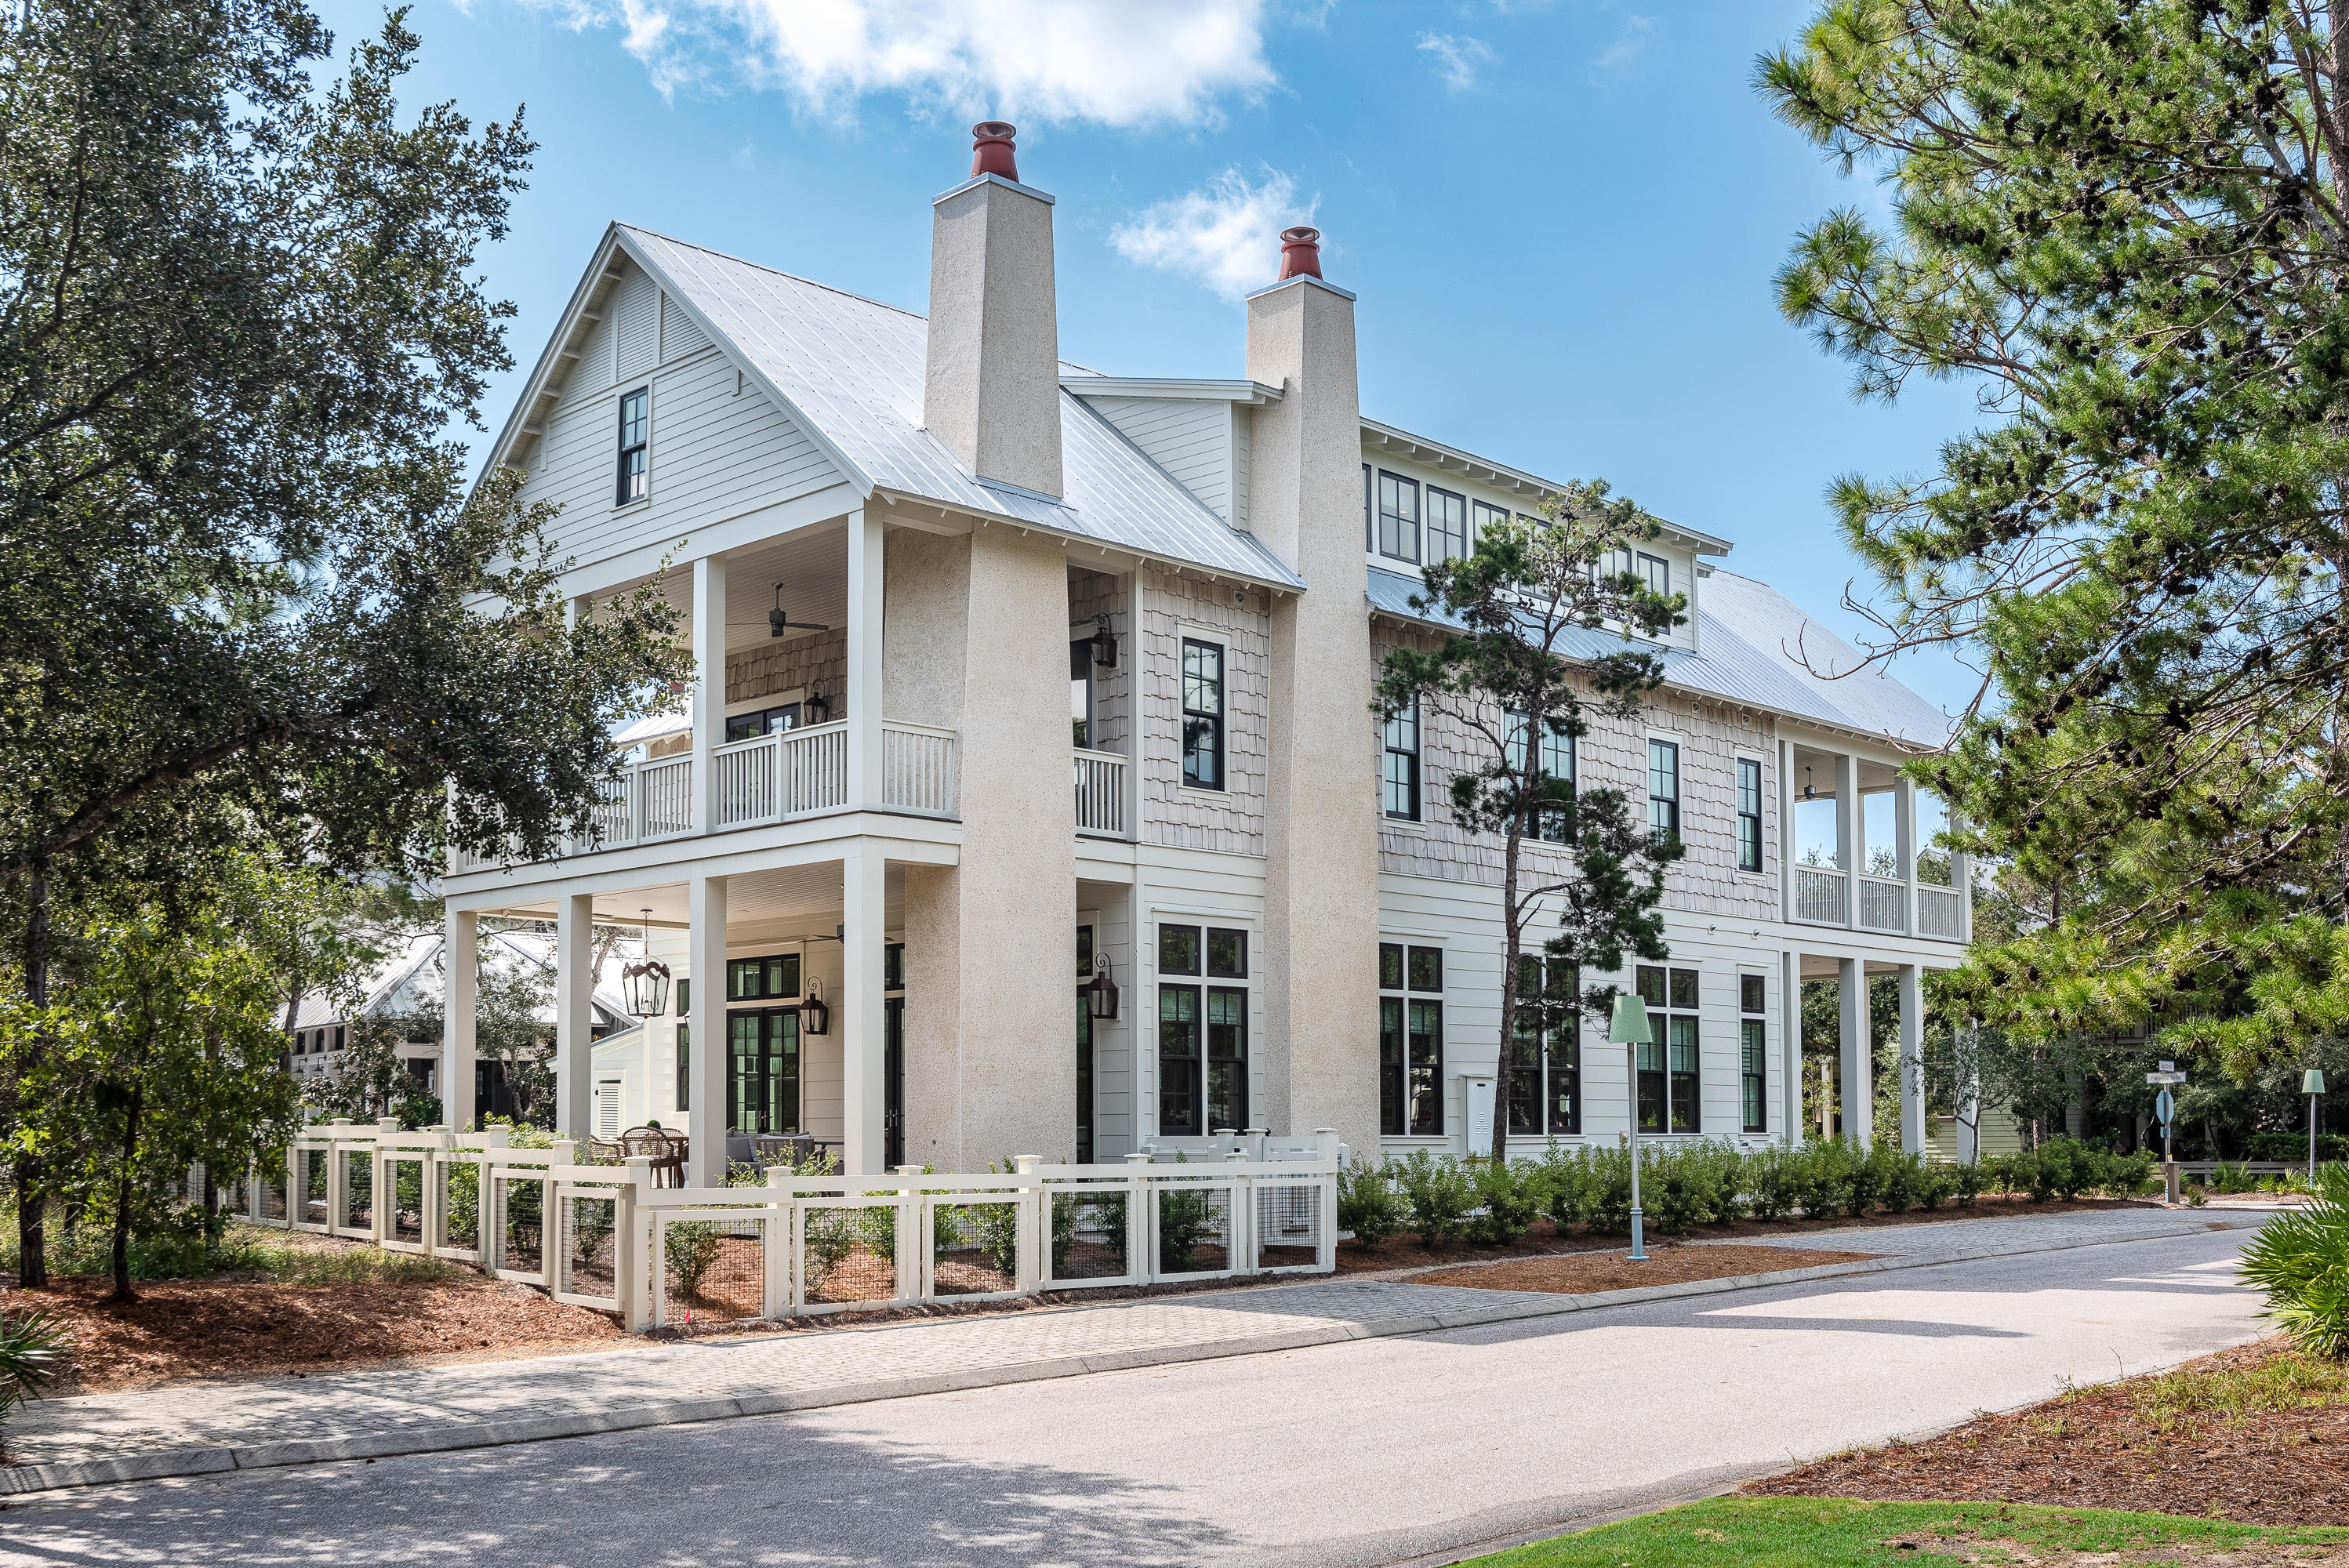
(851, 370)
(1752, 642)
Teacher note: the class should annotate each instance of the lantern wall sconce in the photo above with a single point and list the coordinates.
(815, 1018)
(1104, 644)
(1101, 991)
(644, 983)
(818, 707)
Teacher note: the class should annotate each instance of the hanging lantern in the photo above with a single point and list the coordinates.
(1104, 644)
(815, 1018)
(645, 987)
(1101, 991)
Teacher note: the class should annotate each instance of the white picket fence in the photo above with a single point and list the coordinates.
(603, 1236)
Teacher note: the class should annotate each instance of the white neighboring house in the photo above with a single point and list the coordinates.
(414, 978)
(1010, 672)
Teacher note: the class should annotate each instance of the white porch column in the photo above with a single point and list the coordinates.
(1904, 839)
(1787, 831)
(865, 577)
(706, 963)
(1859, 1077)
(1130, 655)
(1912, 1058)
(864, 915)
(709, 686)
(460, 956)
(1850, 835)
(574, 1013)
(1790, 1042)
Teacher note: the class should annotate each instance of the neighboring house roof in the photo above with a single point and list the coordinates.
(850, 369)
(1752, 643)
(413, 975)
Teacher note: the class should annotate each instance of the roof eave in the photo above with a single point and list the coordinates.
(1254, 393)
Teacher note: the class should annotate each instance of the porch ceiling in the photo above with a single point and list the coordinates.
(792, 901)
(813, 566)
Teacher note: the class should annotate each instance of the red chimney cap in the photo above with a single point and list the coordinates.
(991, 151)
(1300, 253)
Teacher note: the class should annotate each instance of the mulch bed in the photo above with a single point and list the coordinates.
(182, 1329)
(1402, 1251)
(2094, 1449)
(1580, 1274)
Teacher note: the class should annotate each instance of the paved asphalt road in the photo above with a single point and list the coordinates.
(1374, 1452)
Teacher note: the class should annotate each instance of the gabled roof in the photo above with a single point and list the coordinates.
(1753, 645)
(850, 371)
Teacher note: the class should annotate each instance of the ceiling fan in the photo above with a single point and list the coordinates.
(781, 625)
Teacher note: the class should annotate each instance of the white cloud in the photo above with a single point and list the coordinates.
(1110, 62)
(1226, 235)
(1456, 57)
(1630, 41)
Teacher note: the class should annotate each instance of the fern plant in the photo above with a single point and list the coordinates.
(2300, 1259)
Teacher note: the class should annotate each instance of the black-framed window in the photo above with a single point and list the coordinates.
(1556, 762)
(1670, 1090)
(1398, 517)
(1081, 691)
(1657, 572)
(1482, 515)
(633, 429)
(1203, 1031)
(1411, 1041)
(762, 979)
(765, 721)
(1401, 767)
(685, 1066)
(1369, 527)
(685, 997)
(1753, 1044)
(1749, 814)
(1664, 788)
(1203, 714)
(1447, 525)
(1614, 563)
(1545, 1085)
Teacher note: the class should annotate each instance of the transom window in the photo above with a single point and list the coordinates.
(1753, 1045)
(1664, 788)
(633, 444)
(1203, 1030)
(1749, 814)
(1668, 1061)
(1545, 1064)
(1447, 525)
(759, 979)
(1400, 778)
(1203, 714)
(1398, 517)
(1411, 1041)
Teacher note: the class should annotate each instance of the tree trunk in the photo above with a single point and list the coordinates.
(122, 1186)
(31, 1197)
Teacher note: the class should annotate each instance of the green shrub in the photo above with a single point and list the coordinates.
(1609, 1174)
(1934, 1183)
(2127, 1175)
(1863, 1184)
(1899, 1178)
(29, 1346)
(2230, 1178)
(1186, 1217)
(2300, 1259)
(2293, 1146)
(1771, 1182)
(1509, 1200)
(1966, 1183)
(1437, 1192)
(2001, 1171)
(1569, 1187)
(1366, 1204)
(692, 1247)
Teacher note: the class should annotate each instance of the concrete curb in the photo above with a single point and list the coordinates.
(20, 1479)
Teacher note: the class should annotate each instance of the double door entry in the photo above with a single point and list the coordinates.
(763, 1069)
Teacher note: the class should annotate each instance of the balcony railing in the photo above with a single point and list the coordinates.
(776, 777)
(1101, 793)
(918, 769)
(1883, 906)
(1819, 895)
(1941, 911)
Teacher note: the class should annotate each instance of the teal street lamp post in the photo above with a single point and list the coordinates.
(2312, 1084)
(1629, 1027)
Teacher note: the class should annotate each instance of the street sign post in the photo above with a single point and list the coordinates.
(2165, 1109)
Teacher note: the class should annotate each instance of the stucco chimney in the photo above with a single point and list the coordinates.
(991, 389)
(1304, 502)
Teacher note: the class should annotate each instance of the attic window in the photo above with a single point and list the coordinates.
(633, 446)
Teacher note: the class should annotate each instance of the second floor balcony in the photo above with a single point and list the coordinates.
(1864, 851)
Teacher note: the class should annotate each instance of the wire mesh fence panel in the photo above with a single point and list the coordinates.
(1287, 1226)
(358, 1190)
(1089, 1236)
(461, 1207)
(1195, 1229)
(591, 1253)
(974, 1247)
(848, 1254)
(272, 1193)
(713, 1268)
(314, 1188)
(522, 1241)
(407, 1201)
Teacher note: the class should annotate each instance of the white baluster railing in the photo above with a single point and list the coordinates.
(918, 769)
(1101, 793)
(1819, 895)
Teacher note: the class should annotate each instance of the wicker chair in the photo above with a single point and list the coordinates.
(666, 1149)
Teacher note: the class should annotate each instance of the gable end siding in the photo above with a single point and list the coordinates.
(1190, 437)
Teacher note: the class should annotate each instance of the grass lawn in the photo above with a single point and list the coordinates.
(1846, 1533)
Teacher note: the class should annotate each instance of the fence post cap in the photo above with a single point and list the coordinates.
(339, 1121)
(1138, 1157)
(776, 1174)
(387, 1124)
(1026, 1163)
(437, 1127)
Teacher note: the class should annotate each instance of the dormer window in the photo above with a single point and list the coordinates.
(633, 429)
(1398, 518)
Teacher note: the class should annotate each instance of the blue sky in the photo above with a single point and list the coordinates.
(1562, 218)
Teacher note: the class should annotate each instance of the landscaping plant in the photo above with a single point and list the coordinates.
(2300, 1259)
(1367, 1203)
(1437, 1193)
(1508, 1197)
(30, 1343)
